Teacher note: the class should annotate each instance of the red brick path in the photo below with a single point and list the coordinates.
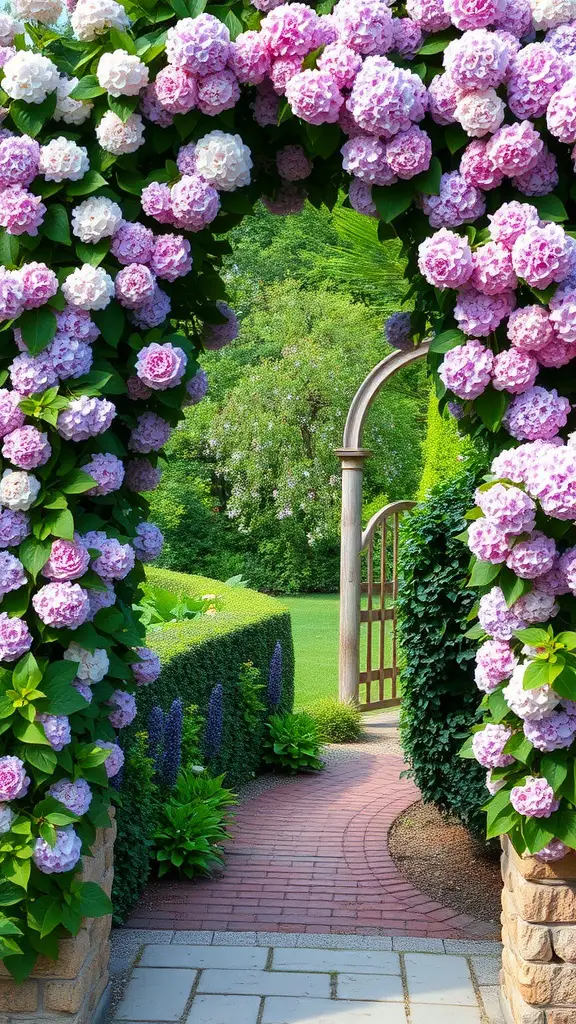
(312, 856)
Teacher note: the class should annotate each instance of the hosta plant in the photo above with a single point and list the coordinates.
(193, 826)
(292, 744)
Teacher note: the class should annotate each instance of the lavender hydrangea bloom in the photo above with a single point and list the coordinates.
(12, 575)
(115, 759)
(14, 528)
(398, 331)
(172, 749)
(488, 746)
(534, 799)
(85, 417)
(15, 639)
(214, 722)
(150, 433)
(124, 712)
(197, 387)
(61, 857)
(75, 796)
(57, 730)
(108, 472)
(148, 542)
(275, 677)
(14, 782)
(554, 732)
(146, 670)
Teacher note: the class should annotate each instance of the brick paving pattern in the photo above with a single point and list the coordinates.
(204, 982)
(311, 856)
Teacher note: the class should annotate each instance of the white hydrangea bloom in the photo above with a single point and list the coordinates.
(552, 13)
(18, 490)
(63, 160)
(117, 136)
(9, 29)
(223, 160)
(92, 665)
(92, 17)
(68, 110)
(30, 77)
(88, 287)
(534, 704)
(46, 11)
(96, 218)
(6, 818)
(121, 73)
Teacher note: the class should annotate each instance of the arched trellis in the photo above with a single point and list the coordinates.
(353, 541)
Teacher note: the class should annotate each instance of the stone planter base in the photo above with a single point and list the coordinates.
(538, 976)
(70, 989)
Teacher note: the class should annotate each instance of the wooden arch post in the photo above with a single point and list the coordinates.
(352, 457)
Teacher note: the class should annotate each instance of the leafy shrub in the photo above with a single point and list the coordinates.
(251, 689)
(292, 744)
(439, 697)
(192, 730)
(195, 655)
(337, 721)
(137, 818)
(193, 826)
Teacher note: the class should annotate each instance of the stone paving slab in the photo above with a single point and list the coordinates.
(358, 961)
(439, 979)
(383, 987)
(218, 1009)
(202, 957)
(264, 983)
(152, 995)
(324, 1011)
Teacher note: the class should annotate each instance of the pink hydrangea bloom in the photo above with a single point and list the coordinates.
(431, 15)
(364, 156)
(15, 638)
(480, 113)
(31, 375)
(488, 746)
(496, 618)
(550, 476)
(364, 25)
(314, 96)
(536, 414)
(470, 14)
(477, 60)
(147, 669)
(529, 328)
(115, 560)
(458, 203)
(515, 17)
(408, 37)
(11, 417)
(151, 108)
(150, 433)
(161, 366)
(26, 447)
(19, 160)
(115, 759)
(134, 285)
(563, 319)
(14, 782)
(249, 58)
(561, 113)
(543, 255)
(176, 89)
(478, 315)
(75, 796)
(554, 732)
(68, 561)
(14, 528)
(293, 164)
(63, 856)
(12, 575)
(217, 92)
(360, 196)
(534, 703)
(536, 72)
(124, 705)
(567, 567)
(533, 557)
(515, 148)
(39, 284)
(156, 203)
(409, 153)
(77, 323)
(342, 62)
(62, 605)
(148, 542)
(201, 44)
(509, 507)
(11, 294)
(445, 260)
(21, 212)
(495, 662)
(57, 730)
(444, 96)
(266, 105)
(108, 472)
(534, 799)
(511, 221)
(142, 476)
(536, 606)
(215, 336)
(282, 71)
(171, 257)
(70, 358)
(488, 541)
(85, 417)
(290, 30)
(477, 166)
(385, 99)
(466, 370)
(514, 371)
(493, 270)
(186, 163)
(193, 203)
(541, 179)
(556, 354)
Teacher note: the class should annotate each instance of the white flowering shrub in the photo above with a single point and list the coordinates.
(127, 149)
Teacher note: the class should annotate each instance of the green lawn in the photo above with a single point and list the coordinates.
(315, 623)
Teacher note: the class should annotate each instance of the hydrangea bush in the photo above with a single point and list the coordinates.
(132, 137)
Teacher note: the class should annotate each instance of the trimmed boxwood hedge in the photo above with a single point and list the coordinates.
(439, 696)
(196, 654)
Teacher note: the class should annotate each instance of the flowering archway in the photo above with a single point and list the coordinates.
(134, 137)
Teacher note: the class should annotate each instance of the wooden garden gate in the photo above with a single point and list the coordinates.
(364, 630)
(379, 671)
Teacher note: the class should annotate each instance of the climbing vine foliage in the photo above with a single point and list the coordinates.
(133, 137)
